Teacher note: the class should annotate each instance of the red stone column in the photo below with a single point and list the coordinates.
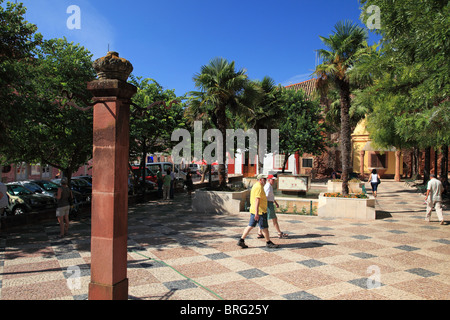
(398, 154)
(110, 189)
(361, 163)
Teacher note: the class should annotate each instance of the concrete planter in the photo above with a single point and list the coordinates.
(353, 187)
(219, 202)
(346, 208)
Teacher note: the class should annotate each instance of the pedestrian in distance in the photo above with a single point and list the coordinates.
(64, 199)
(258, 213)
(434, 198)
(374, 181)
(3, 199)
(166, 185)
(172, 183)
(271, 203)
(160, 182)
(189, 183)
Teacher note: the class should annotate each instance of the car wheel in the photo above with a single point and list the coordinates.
(19, 210)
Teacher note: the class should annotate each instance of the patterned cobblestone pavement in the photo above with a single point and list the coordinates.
(177, 255)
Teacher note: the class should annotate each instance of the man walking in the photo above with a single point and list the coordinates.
(434, 192)
(258, 213)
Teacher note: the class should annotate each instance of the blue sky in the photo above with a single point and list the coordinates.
(169, 41)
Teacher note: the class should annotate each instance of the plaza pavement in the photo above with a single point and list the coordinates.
(177, 255)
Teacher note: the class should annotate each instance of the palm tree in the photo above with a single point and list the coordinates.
(265, 110)
(222, 93)
(345, 46)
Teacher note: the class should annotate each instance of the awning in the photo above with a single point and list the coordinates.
(368, 147)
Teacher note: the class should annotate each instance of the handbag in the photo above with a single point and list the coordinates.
(378, 180)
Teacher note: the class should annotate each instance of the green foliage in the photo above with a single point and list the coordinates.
(155, 114)
(409, 95)
(224, 93)
(301, 125)
(46, 133)
(345, 47)
(18, 39)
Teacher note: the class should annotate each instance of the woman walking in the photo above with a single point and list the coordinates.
(64, 197)
(374, 181)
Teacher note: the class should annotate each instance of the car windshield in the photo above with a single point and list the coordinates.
(33, 187)
(48, 186)
(16, 190)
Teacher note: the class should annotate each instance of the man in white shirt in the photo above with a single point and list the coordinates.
(434, 192)
(271, 215)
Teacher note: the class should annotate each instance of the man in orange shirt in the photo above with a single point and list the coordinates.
(258, 211)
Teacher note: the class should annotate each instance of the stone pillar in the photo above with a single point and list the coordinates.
(397, 165)
(109, 226)
(361, 163)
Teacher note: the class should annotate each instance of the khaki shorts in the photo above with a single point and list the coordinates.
(61, 212)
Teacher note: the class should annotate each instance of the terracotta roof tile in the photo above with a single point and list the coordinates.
(308, 86)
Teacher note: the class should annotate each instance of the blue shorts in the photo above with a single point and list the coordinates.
(262, 221)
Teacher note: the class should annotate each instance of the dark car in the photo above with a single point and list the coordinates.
(79, 185)
(48, 186)
(87, 178)
(36, 188)
(51, 188)
(22, 200)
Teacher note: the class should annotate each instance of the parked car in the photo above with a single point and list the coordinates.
(150, 175)
(21, 200)
(180, 175)
(36, 188)
(87, 178)
(195, 168)
(52, 189)
(48, 186)
(79, 185)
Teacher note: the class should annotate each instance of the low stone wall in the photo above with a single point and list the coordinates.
(347, 208)
(353, 187)
(219, 202)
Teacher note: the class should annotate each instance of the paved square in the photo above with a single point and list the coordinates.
(174, 254)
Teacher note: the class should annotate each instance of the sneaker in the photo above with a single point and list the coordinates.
(242, 244)
(270, 244)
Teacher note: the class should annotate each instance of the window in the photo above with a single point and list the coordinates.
(377, 160)
(278, 162)
(35, 169)
(307, 162)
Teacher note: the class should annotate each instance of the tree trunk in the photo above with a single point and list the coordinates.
(222, 126)
(436, 155)
(142, 164)
(444, 163)
(415, 163)
(427, 166)
(286, 158)
(444, 167)
(344, 90)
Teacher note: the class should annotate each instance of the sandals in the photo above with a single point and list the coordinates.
(281, 235)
